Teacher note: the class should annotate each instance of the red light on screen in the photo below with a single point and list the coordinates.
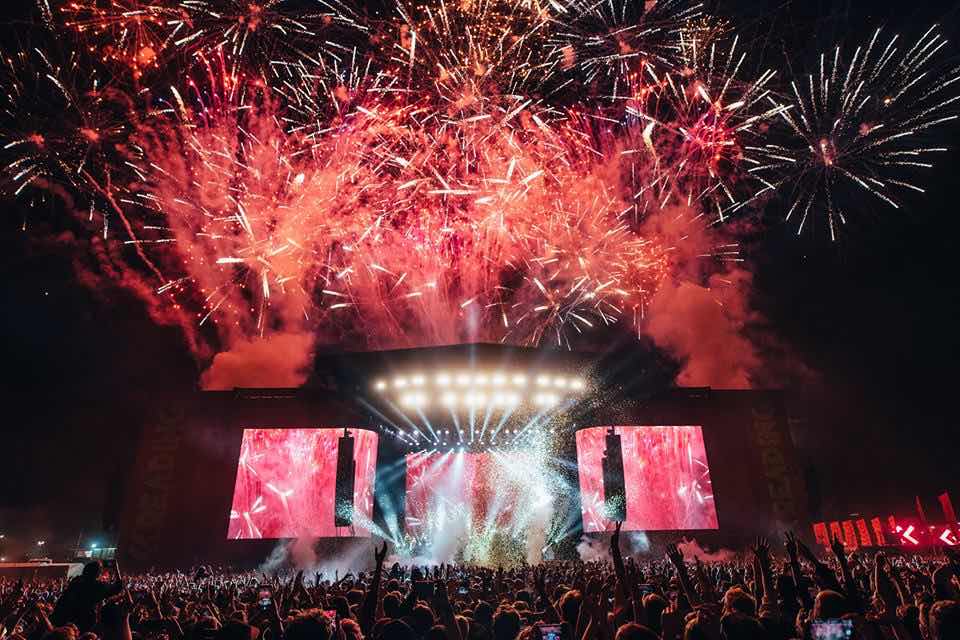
(286, 483)
(849, 534)
(666, 476)
(820, 533)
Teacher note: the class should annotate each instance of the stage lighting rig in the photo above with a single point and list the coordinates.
(470, 389)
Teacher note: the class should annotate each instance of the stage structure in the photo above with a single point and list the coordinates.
(479, 453)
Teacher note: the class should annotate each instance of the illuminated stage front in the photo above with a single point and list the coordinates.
(521, 472)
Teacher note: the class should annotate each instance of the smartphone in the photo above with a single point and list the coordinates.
(330, 614)
(265, 596)
(549, 631)
(463, 591)
(831, 629)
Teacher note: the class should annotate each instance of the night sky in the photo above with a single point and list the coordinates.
(873, 318)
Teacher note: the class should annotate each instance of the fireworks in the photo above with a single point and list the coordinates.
(608, 41)
(697, 128)
(129, 33)
(481, 170)
(858, 125)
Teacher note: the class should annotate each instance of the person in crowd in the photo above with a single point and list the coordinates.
(753, 596)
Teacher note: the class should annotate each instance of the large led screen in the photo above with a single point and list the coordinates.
(286, 483)
(666, 479)
(479, 491)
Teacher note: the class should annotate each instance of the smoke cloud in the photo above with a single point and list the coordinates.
(700, 314)
(703, 327)
(691, 549)
(277, 360)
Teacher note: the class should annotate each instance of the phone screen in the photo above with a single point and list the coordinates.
(831, 629)
(265, 597)
(549, 632)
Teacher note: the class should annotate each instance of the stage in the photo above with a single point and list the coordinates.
(474, 453)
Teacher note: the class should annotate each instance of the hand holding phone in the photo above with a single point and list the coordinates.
(549, 631)
(265, 597)
(831, 629)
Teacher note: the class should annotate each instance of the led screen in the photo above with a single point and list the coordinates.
(666, 478)
(483, 490)
(286, 482)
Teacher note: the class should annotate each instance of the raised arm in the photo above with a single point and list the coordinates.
(676, 558)
(768, 604)
(800, 585)
(850, 588)
(368, 611)
(444, 610)
(826, 579)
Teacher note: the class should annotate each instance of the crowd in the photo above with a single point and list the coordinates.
(761, 595)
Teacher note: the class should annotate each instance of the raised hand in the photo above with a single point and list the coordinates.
(836, 546)
(761, 549)
(790, 544)
(674, 555)
(806, 552)
(381, 555)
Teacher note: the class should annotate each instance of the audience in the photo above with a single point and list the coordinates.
(759, 596)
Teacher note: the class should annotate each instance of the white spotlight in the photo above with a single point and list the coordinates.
(545, 399)
(449, 399)
(400, 383)
(543, 381)
(417, 380)
(498, 379)
(414, 400)
(463, 379)
(560, 382)
(576, 383)
(380, 385)
(443, 379)
(480, 379)
(520, 380)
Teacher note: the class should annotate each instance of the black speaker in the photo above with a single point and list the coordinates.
(614, 490)
(346, 470)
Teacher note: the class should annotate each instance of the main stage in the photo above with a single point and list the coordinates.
(474, 452)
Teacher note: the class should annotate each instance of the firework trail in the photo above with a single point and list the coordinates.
(859, 125)
(476, 171)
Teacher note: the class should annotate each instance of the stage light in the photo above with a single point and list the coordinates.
(443, 379)
(40, 543)
(543, 381)
(379, 385)
(560, 382)
(449, 399)
(577, 383)
(417, 380)
(520, 380)
(480, 379)
(463, 379)
(506, 399)
(545, 399)
(498, 379)
(415, 400)
(400, 383)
